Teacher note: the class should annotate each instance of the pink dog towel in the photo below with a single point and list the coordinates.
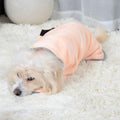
(71, 43)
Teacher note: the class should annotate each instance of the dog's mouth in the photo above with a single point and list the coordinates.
(40, 90)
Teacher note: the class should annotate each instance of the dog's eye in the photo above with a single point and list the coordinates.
(30, 78)
(18, 74)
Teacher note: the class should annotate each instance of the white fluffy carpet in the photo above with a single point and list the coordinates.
(93, 92)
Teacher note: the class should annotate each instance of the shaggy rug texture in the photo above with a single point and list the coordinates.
(92, 93)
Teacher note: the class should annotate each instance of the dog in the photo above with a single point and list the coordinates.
(54, 57)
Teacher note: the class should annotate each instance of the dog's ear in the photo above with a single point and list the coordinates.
(57, 81)
(58, 74)
(53, 81)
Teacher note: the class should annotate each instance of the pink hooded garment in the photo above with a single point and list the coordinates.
(71, 43)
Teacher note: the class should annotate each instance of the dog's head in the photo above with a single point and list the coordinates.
(43, 71)
(25, 80)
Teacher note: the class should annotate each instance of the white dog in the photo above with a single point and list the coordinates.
(46, 66)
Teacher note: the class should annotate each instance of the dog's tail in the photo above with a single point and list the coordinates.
(101, 35)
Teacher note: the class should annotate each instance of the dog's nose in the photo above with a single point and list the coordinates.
(17, 92)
